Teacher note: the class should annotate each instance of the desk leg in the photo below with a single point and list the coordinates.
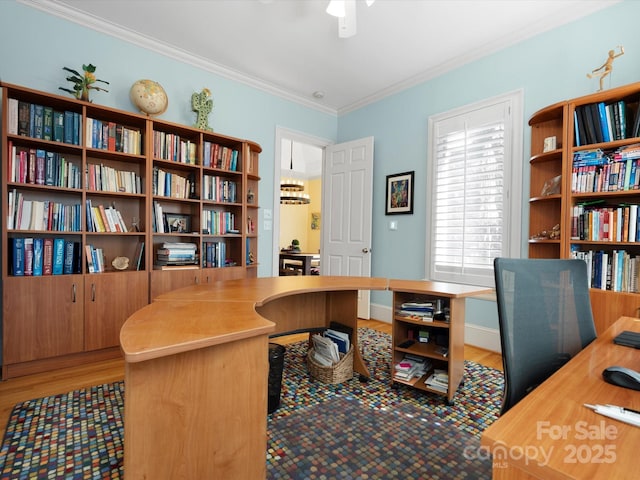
(198, 415)
(343, 308)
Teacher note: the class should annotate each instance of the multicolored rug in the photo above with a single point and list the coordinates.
(352, 430)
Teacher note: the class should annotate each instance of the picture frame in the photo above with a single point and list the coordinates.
(178, 222)
(399, 196)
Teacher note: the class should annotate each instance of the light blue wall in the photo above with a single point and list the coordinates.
(551, 67)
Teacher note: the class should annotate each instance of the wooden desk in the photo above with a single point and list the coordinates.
(304, 258)
(196, 370)
(551, 435)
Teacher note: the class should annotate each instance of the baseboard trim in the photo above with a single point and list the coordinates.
(482, 337)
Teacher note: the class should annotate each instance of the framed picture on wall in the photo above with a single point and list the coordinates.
(399, 197)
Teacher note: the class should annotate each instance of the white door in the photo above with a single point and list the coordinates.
(347, 190)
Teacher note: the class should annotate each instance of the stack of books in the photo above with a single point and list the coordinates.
(411, 366)
(416, 310)
(177, 253)
(438, 380)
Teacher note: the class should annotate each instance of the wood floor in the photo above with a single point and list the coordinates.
(17, 390)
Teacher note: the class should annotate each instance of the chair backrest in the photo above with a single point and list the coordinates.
(545, 318)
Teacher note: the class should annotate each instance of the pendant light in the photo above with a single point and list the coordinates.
(292, 189)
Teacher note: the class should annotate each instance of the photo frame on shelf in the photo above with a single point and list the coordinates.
(178, 222)
(399, 197)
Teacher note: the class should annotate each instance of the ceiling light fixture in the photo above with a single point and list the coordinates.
(292, 189)
(345, 10)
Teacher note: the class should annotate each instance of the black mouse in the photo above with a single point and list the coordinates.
(623, 377)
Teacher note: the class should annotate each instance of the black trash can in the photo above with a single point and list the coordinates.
(276, 366)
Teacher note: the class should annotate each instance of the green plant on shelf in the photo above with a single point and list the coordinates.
(82, 83)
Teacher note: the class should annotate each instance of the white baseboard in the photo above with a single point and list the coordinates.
(481, 337)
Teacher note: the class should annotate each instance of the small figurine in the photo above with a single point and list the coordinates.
(82, 83)
(606, 68)
(202, 104)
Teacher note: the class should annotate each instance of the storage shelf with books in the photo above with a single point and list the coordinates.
(599, 196)
(428, 334)
(89, 176)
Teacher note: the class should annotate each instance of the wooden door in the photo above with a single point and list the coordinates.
(43, 317)
(111, 298)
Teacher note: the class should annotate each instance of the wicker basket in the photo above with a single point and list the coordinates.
(338, 373)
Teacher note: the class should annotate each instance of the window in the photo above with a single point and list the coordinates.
(475, 154)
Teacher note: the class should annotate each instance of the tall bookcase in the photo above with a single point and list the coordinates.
(585, 185)
(80, 189)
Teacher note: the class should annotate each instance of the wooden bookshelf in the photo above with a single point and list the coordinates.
(105, 162)
(575, 132)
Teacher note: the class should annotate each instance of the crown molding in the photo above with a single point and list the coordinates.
(154, 45)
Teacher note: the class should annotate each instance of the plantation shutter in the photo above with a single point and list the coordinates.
(469, 195)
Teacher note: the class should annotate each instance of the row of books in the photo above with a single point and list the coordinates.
(219, 189)
(614, 270)
(219, 156)
(95, 259)
(599, 171)
(170, 146)
(215, 255)
(43, 122)
(42, 215)
(44, 256)
(104, 219)
(411, 366)
(40, 167)
(605, 223)
(169, 184)
(219, 223)
(113, 137)
(104, 178)
(600, 122)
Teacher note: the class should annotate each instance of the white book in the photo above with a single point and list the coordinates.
(12, 128)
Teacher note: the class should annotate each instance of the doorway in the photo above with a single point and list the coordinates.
(303, 222)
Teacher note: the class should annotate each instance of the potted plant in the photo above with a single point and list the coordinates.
(295, 245)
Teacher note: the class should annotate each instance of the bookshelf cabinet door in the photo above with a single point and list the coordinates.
(43, 317)
(165, 281)
(111, 298)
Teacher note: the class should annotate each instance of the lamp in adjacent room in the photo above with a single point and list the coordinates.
(292, 189)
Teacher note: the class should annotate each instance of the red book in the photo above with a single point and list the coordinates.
(47, 256)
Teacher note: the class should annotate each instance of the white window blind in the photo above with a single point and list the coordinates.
(470, 185)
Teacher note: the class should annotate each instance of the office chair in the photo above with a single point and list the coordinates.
(545, 318)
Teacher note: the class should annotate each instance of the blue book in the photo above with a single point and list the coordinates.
(604, 124)
(17, 254)
(37, 256)
(68, 127)
(58, 256)
(67, 267)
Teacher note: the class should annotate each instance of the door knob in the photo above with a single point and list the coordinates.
(365, 250)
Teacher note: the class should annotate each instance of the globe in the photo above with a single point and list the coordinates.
(149, 97)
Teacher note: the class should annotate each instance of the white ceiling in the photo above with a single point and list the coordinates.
(291, 47)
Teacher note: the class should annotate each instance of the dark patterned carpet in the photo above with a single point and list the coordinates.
(351, 431)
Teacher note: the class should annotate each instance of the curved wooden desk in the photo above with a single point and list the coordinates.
(197, 367)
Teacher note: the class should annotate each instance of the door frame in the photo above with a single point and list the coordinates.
(298, 137)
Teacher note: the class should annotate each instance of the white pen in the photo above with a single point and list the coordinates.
(622, 414)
